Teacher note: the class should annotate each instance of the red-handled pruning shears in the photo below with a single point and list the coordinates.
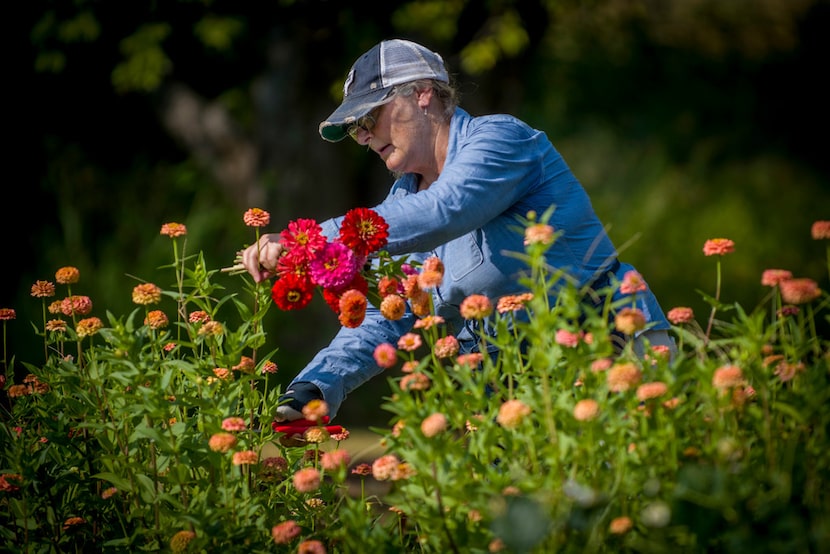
(299, 426)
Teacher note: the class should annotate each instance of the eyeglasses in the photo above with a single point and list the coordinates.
(367, 123)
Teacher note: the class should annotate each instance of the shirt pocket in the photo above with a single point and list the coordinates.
(463, 255)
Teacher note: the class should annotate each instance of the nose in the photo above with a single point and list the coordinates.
(363, 136)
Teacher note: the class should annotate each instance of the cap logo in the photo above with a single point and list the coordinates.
(347, 85)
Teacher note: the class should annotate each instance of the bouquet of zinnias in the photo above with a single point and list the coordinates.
(338, 268)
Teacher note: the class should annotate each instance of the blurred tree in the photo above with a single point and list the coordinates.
(685, 120)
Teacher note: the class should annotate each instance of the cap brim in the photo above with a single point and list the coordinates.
(353, 108)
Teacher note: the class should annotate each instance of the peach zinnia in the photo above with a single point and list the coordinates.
(799, 291)
(630, 320)
(173, 230)
(727, 377)
(622, 377)
(222, 442)
(446, 347)
(146, 293)
(179, 541)
(511, 413)
(539, 233)
(76, 305)
(647, 391)
(393, 307)
(43, 289)
(718, 247)
(434, 424)
(620, 525)
(88, 327)
(233, 424)
(67, 275)
(586, 409)
(315, 410)
(156, 319)
(476, 306)
(513, 302)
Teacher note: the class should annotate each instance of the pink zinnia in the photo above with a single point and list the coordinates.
(385, 355)
(718, 247)
(78, 305)
(681, 315)
(307, 479)
(446, 347)
(198, 316)
(820, 230)
(385, 467)
(333, 266)
(632, 283)
(256, 217)
(415, 382)
(772, 277)
(410, 342)
(799, 291)
(470, 360)
(285, 532)
(335, 459)
(567, 338)
(303, 238)
(234, 424)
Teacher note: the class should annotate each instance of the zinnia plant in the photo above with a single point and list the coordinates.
(153, 433)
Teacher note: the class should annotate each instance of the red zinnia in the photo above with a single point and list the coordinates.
(291, 292)
(364, 231)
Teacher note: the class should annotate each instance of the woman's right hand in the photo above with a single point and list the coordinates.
(260, 259)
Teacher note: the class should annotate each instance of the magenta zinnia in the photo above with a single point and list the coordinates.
(333, 266)
(364, 231)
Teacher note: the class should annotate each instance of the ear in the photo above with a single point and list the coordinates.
(424, 97)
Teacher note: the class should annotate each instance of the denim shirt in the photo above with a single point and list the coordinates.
(497, 169)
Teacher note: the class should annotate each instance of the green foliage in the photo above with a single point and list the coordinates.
(113, 443)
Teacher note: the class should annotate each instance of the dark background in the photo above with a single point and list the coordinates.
(684, 120)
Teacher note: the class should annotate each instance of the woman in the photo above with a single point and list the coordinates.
(461, 183)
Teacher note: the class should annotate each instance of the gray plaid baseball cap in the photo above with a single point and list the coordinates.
(374, 75)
